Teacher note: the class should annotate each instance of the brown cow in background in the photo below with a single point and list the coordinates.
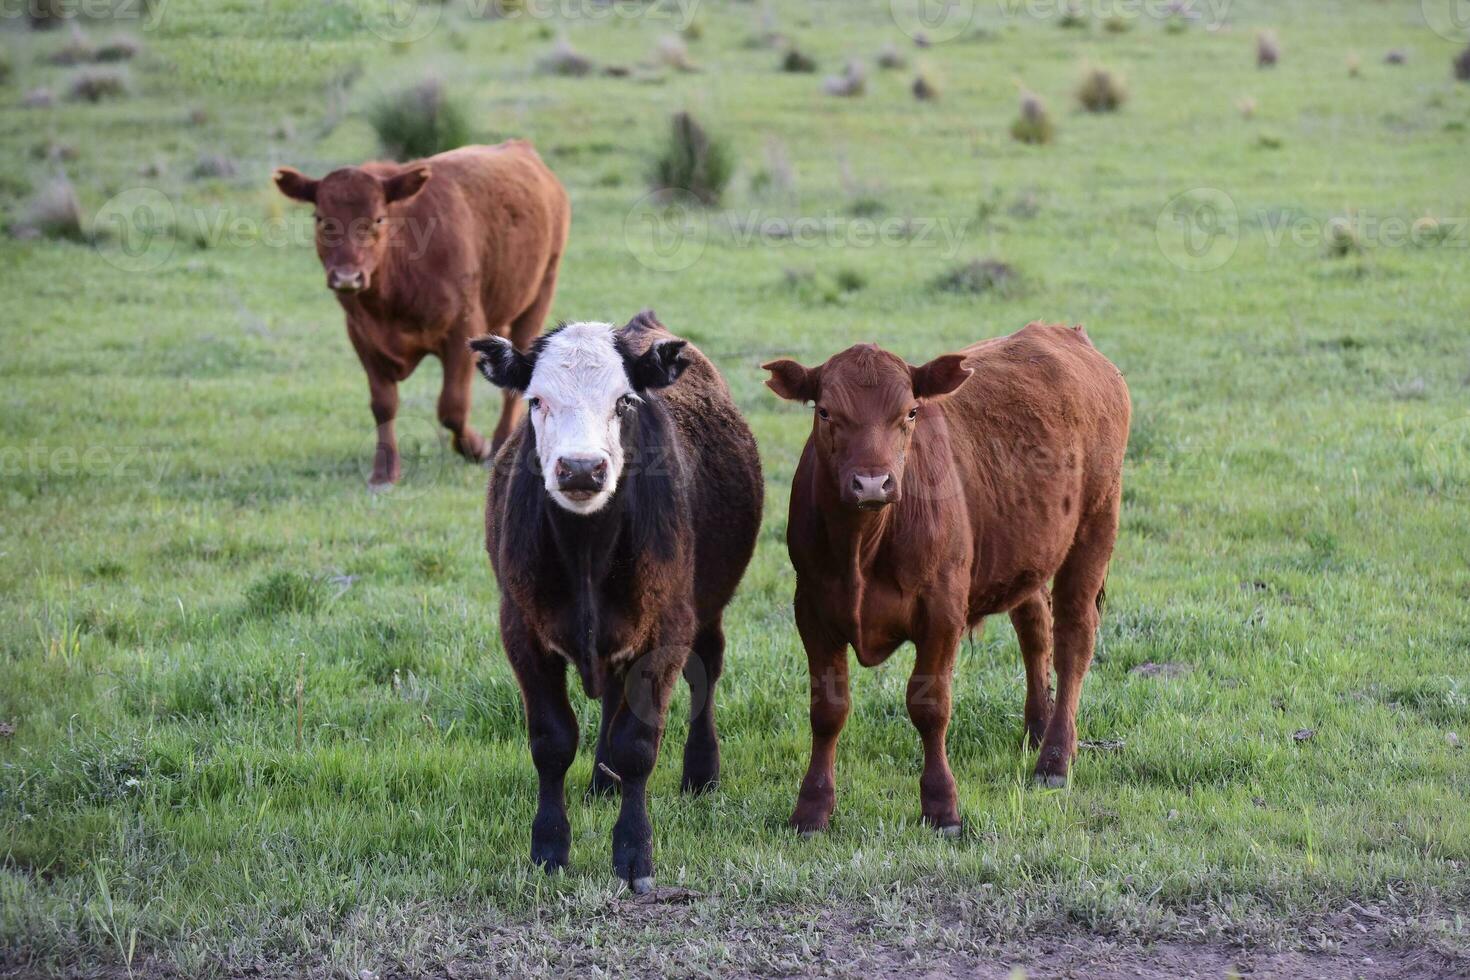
(928, 498)
(424, 256)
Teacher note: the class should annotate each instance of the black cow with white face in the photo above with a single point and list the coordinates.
(620, 518)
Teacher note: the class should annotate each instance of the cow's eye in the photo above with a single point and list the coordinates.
(535, 403)
(822, 414)
(380, 220)
(625, 404)
(913, 413)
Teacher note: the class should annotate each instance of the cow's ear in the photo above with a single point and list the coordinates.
(296, 185)
(940, 376)
(792, 381)
(659, 366)
(405, 184)
(501, 364)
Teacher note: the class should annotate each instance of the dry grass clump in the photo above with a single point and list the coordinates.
(76, 51)
(120, 47)
(213, 165)
(53, 212)
(1101, 90)
(977, 277)
(1397, 56)
(1340, 239)
(564, 60)
(1117, 24)
(924, 88)
(419, 121)
(38, 98)
(672, 52)
(1034, 124)
(852, 82)
(97, 84)
(1268, 49)
(1354, 65)
(692, 161)
(890, 58)
(1247, 107)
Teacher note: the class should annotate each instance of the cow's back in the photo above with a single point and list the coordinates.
(1038, 435)
(492, 218)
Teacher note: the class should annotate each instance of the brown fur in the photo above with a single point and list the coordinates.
(1010, 482)
(626, 594)
(471, 246)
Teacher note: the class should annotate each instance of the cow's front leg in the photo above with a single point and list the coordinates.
(633, 740)
(929, 701)
(553, 730)
(826, 657)
(454, 400)
(383, 391)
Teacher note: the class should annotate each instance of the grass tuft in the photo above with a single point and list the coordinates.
(851, 83)
(1462, 65)
(419, 121)
(797, 62)
(283, 593)
(98, 84)
(693, 161)
(1034, 124)
(890, 58)
(53, 212)
(1100, 90)
(565, 61)
(978, 277)
(1268, 49)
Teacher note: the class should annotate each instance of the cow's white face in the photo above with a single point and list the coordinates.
(581, 389)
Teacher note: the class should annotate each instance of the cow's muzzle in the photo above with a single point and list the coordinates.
(581, 477)
(871, 491)
(347, 280)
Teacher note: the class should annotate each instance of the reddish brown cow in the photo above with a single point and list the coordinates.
(930, 497)
(424, 256)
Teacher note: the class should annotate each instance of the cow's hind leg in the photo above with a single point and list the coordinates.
(1075, 592)
(702, 748)
(929, 702)
(1032, 620)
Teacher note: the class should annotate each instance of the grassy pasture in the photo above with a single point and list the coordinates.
(261, 716)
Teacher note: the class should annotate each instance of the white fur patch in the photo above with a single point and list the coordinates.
(578, 381)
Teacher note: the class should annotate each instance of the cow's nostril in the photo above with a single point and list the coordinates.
(857, 485)
(888, 484)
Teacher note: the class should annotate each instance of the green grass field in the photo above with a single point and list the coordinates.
(261, 717)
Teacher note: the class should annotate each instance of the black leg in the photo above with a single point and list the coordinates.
(553, 730)
(702, 748)
(602, 783)
(633, 739)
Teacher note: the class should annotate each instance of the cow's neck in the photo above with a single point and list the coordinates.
(584, 549)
